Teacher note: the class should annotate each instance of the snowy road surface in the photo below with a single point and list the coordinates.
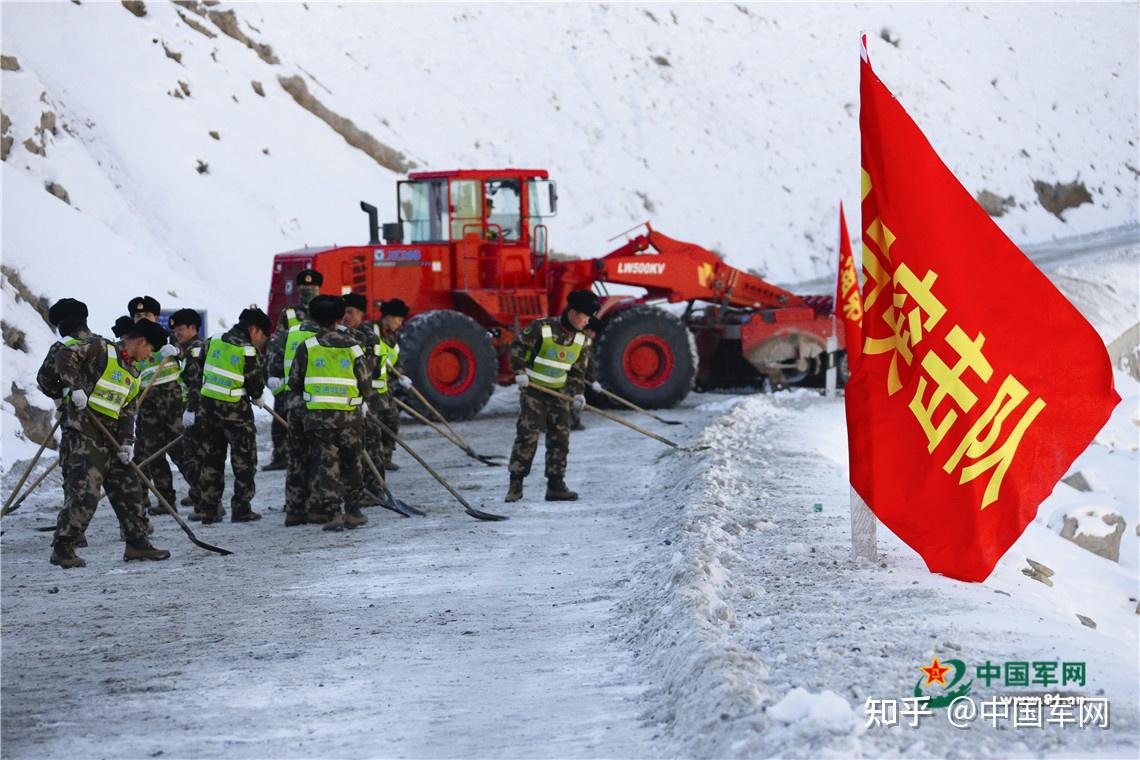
(438, 636)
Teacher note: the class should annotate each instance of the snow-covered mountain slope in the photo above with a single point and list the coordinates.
(187, 164)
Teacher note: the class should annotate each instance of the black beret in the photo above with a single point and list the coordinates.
(66, 308)
(394, 308)
(254, 317)
(326, 309)
(122, 326)
(310, 277)
(584, 301)
(186, 317)
(151, 331)
(143, 304)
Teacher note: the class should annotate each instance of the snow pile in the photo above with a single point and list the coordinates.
(826, 708)
(762, 615)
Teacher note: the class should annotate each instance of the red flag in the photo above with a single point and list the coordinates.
(848, 301)
(979, 383)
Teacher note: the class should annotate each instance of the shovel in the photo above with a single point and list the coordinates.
(618, 420)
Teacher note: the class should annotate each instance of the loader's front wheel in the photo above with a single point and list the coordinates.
(451, 360)
(646, 355)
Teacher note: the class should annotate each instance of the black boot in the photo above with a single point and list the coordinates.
(556, 490)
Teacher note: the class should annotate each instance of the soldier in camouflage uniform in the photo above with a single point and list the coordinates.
(330, 373)
(104, 384)
(158, 420)
(185, 325)
(368, 337)
(308, 283)
(548, 353)
(393, 312)
(219, 406)
(589, 369)
(288, 399)
(69, 317)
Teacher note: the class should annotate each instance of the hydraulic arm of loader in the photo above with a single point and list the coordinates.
(677, 271)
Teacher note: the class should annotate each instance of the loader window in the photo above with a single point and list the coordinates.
(503, 207)
(423, 210)
(466, 208)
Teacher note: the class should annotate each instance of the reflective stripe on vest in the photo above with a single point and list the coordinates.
(388, 355)
(223, 377)
(148, 369)
(114, 388)
(551, 363)
(330, 382)
(291, 319)
(293, 340)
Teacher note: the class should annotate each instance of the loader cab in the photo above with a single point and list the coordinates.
(494, 221)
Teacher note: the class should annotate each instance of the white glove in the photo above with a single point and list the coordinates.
(579, 402)
(79, 398)
(275, 383)
(126, 453)
(406, 382)
(596, 387)
(168, 351)
(522, 380)
(188, 419)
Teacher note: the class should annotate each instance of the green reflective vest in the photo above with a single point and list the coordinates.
(330, 382)
(291, 319)
(293, 340)
(387, 357)
(551, 363)
(149, 373)
(223, 376)
(115, 387)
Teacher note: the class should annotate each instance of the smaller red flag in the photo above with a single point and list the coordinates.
(848, 300)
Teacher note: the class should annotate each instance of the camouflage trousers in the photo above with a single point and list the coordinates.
(279, 433)
(92, 463)
(373, 439)
(216, 432)
(159, 421)
(297, 478)
(334, 455)
(390, 416)
(538, 412)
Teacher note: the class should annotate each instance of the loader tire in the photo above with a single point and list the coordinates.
(647, 356)
(451, 360)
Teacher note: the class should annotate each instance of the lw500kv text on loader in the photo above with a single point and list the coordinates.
(470, 256)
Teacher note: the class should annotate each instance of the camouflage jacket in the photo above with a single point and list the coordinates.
(330, 418)
(527, 343)
(81, 366)
(48, 378)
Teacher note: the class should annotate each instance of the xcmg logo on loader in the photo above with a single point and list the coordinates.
(641, 267)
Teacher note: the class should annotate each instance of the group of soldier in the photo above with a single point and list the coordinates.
(125, 405)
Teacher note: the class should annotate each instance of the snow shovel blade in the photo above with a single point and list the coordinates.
(479, 514)
(487, 459)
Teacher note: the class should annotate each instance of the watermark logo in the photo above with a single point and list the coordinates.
(935, 673)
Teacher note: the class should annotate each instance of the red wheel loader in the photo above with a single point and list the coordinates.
(470, 255)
